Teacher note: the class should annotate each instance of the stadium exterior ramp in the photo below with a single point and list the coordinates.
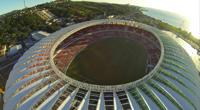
(36, 83)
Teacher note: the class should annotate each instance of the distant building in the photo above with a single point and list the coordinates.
(38, 35)
(3, 50)
(61, 1)
(1, 92)
(13, 50)
(69, 23)
(110, 16)
(46, 15)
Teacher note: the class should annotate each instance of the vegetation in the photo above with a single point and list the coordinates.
(187, 36)
(17, 25)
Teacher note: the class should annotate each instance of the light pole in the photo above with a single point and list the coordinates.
(25, 4)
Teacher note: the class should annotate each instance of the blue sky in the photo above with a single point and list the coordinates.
(10, 5)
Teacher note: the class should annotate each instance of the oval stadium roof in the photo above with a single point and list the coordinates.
(36, 83)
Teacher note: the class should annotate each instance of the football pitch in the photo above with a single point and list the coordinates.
(109, 61)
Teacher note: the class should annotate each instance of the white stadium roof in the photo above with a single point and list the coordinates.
(36, 83)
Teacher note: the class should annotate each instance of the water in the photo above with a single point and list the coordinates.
(168, 17)
(177, 21)
(184, 22)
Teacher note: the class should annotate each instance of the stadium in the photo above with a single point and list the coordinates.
(104, 65)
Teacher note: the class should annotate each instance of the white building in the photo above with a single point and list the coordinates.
(46, 15)
(3, 50)
(36, 81)
(38, 35)
(14, 49)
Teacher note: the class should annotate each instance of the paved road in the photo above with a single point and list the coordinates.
(5, 70)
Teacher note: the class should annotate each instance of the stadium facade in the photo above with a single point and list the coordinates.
(38, 80)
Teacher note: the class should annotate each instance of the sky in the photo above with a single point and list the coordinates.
(10, 5)
(188, 8)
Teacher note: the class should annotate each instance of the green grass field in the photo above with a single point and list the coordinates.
(109, 61)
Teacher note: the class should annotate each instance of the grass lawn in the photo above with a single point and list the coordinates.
(109, 61)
